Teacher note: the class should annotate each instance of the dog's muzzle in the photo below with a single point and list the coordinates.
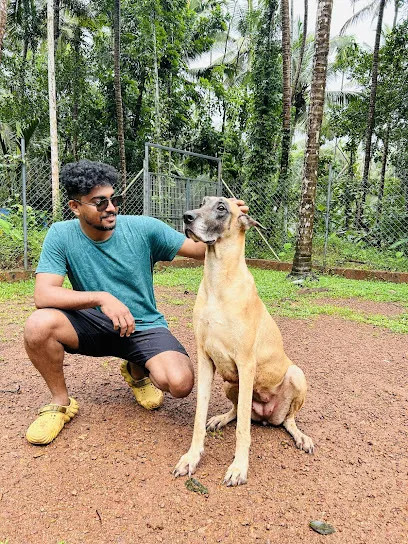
(189, 218)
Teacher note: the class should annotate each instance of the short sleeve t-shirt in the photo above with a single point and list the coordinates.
(121, 265)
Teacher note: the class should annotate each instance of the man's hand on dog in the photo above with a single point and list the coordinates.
(241, 204)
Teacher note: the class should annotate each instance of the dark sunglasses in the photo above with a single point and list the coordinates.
(102, 203)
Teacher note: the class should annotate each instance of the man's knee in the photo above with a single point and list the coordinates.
(172, 372)
(38, 326)
(181, 384)
(44, 324)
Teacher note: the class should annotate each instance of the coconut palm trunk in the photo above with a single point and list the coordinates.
(371, 118)
(302, 262)
(287, 98)
(3, 20)
(118, 92)
(302, 49)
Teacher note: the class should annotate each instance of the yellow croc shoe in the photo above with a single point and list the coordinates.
(50, 422)
(145, 392)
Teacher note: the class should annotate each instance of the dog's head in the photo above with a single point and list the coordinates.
(217, 218)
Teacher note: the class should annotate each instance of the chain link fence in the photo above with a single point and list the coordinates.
(380, 242)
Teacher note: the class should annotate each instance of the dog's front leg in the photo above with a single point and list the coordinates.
(205, 374)
(238, 470)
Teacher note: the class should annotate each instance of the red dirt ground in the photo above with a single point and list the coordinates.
(107, 477)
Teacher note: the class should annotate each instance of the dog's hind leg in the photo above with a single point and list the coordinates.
(218, 422)
(297, 387)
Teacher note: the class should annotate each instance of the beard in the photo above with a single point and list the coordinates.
(100, 226)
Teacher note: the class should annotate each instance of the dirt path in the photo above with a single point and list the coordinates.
(107, 478)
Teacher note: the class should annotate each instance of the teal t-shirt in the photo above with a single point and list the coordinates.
(121, 265)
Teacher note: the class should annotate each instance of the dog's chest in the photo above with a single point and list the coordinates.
(215, 332)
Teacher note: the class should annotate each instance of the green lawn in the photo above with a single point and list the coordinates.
(282, 297)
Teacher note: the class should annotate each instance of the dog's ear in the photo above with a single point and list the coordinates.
(247, 222)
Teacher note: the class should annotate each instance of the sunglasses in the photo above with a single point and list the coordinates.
(102, 203)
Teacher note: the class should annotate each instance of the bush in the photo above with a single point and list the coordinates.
(12, 236)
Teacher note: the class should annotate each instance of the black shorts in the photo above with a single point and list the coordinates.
(98, 338)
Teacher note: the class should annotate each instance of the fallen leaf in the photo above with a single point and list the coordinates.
(194, 485)
(322, 527)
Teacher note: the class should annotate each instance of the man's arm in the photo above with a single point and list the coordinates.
(194, 250)
(49, 293)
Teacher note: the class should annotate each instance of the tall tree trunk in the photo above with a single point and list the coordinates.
(371, 118)
(139, 102)
(157, 124)
(56, 24)
(302, 262)
(396, 8)
(52, 98)
(3, 20)
(118, 92)
(286, 99)
(250, 33)
(302, 49)
(75, 93)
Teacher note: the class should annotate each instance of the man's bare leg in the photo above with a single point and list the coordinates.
(45, 334)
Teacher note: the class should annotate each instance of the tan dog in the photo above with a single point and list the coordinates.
(236, 335)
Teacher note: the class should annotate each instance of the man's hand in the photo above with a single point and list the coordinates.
(118, 313)
(240, 203)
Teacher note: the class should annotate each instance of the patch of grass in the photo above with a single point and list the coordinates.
(281, 296)
(286, 299)
(172, 319)
(18, 289)
(175, 301)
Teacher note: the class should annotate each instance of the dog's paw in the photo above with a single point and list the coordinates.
(187, 464)
(305, 443)
(217, 422)
(235, 476)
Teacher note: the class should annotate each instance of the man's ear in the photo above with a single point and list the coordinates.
(74, 207)
(247, 222)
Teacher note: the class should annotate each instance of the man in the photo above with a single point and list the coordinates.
(111, 310)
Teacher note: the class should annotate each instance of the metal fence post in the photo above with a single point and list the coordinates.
(24, 190)
(219, 173)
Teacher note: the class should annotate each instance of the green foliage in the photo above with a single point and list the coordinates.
(228, 106)
(264, 131)
(12, 234)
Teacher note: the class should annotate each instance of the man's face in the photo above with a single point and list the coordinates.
(87, 211)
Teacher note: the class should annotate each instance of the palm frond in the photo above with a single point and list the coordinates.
(360, 16)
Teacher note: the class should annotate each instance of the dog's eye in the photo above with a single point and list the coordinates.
(221, 208)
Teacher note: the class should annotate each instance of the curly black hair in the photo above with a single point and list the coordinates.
(79, 178)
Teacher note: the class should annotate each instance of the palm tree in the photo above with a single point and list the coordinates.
(378, 6)
(3, 19)
(302, 49)
(118, 91)
(286, 99)
(302, 262)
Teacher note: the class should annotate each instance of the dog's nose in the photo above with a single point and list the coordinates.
(189, 217)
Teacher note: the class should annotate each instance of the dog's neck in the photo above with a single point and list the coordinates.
(225, 260)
